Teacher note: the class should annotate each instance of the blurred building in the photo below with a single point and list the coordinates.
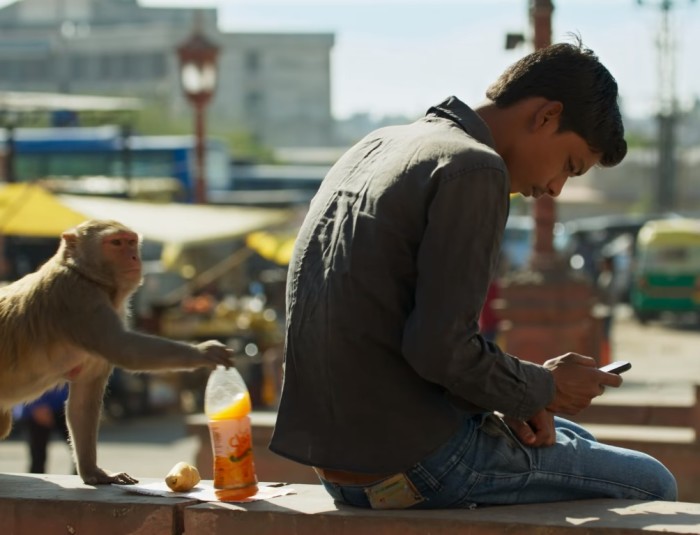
(629, 186)
(269, 83)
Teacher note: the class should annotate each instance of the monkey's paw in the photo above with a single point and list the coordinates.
(215, 353)
(100, 477)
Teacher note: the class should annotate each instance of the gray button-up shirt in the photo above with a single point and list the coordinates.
(389, 274)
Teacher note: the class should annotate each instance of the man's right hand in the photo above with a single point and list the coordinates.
(577, 380)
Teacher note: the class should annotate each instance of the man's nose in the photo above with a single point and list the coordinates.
(556, 186)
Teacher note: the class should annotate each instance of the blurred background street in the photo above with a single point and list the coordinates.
(143, 447)
(665, 360)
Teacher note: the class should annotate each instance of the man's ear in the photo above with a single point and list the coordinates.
(548, 114)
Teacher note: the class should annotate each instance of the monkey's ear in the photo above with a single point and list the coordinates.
(69, 237)
(70, 240)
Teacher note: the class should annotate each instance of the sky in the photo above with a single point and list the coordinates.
(399, 57)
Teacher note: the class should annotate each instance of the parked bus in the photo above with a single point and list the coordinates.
(40, 153)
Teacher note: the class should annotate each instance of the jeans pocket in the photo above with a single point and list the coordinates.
(501, 452)
(396, 492)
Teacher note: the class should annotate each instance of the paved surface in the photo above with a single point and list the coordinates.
(665, 360)
(143, 447)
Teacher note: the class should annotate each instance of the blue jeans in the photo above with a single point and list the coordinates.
(485, 464)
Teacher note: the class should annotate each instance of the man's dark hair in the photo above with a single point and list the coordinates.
(572, 75)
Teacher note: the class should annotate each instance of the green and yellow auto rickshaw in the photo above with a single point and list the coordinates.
(667, 268)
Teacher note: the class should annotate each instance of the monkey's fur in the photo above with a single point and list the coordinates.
(66, 322)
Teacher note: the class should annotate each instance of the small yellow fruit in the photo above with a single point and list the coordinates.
(182, 477)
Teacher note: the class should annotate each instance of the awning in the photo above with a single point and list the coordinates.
(31, 102)
(181, 224)
(29, 210)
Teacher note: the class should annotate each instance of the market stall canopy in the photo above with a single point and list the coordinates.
(32, 102)
(29, 210)
(175, 223)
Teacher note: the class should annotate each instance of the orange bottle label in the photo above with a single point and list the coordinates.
(234, 467)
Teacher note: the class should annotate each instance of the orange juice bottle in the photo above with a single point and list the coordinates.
(227, 406)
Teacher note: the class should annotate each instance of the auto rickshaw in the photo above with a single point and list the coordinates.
(667, 269)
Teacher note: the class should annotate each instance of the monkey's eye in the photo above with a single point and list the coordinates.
(116, 241)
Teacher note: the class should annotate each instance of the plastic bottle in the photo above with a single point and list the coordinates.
(227, 406)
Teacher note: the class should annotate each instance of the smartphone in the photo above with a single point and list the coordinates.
(617, 367)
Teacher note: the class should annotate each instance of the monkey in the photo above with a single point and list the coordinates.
(67, 322)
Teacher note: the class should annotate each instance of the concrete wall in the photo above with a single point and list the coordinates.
(31, 504)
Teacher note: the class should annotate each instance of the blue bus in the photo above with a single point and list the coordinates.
(42, 153)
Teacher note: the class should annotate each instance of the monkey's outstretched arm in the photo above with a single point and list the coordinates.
(103, 333)
(83, 416)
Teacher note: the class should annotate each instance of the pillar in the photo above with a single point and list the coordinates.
(547, 309)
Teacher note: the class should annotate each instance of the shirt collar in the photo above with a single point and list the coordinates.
(454, 109)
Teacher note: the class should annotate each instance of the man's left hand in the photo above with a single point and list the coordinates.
(538, 431)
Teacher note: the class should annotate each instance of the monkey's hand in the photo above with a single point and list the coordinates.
(215, 353)
(97, 476)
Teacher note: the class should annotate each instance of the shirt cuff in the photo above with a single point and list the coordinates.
(539, 390)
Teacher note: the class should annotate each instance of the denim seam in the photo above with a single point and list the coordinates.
(426, 477)
(607, 482)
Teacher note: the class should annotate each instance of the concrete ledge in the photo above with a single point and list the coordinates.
(311, 510)
(642, 433)
(32, 504)
(52, 504)
(637, 412)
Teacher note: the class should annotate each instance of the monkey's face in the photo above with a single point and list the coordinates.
(122, 251)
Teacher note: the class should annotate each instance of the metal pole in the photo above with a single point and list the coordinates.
(666, 168)
(664, 190)
(10, 175)
(544, 209)
(665, 198)
(126, 157)
(200, 188)
(541, 20)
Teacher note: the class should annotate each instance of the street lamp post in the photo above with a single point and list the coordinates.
(198, 74)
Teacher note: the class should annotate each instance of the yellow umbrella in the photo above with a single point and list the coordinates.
(29, 210)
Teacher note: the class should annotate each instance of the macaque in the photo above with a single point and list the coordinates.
(67, 322)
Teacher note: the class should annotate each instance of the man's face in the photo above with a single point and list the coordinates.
(544, 159)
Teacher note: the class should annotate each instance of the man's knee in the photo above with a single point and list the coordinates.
(669, 487)
(664, 483)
